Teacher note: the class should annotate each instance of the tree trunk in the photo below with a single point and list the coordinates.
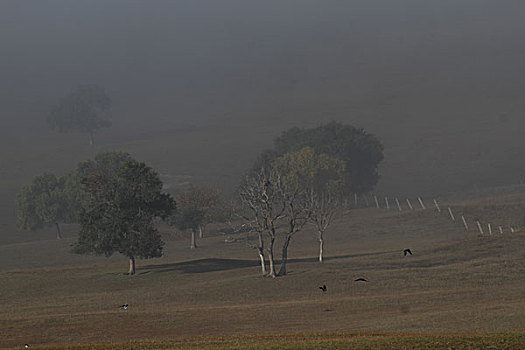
(131, 265)
(91, 139)
(321, 246)
(59, 234)
(201, 232)
(260, 249)
(271, 273)
(193, 243)
(282, 270)
(263, 263)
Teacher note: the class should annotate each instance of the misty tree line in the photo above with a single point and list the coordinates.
(117, 200)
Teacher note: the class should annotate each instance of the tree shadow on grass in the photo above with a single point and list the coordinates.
(201, 265)
(216, 264)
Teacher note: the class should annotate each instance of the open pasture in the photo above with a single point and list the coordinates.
(454, 282)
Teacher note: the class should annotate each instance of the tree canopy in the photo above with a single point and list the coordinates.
(362, 152)
(123, 197)
(82, 110)
(277, 200)
(47, 201)
(207, 199)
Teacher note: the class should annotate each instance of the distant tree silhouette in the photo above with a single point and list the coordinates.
(48, 201)
(82, 110)
(362, 152)
(207, 199)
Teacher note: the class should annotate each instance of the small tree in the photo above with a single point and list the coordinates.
(81, 110)
(206, 199)
(47, 201)
(121, 207)
(189, 217)
(323, 205)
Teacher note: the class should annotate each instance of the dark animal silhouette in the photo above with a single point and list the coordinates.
(323, 288)
(407, 251)
(360, 279)
(125, 306)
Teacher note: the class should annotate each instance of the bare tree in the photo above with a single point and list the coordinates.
(265, 210)
(323, 206)
(296, 213)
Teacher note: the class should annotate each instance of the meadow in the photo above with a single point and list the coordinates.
(457, 290)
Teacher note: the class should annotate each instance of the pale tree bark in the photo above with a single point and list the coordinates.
(91, 138)
(323, 208)
(265, 210)
(193, 244)
(260, 249)
(201, 231)
(321, 246)
(131, 265)
(59, 233)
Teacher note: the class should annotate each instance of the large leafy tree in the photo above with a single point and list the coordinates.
(48, 201)
(122, 199)
(362, 152)
(83, 109)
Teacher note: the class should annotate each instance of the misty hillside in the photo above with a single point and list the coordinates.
(199, 88)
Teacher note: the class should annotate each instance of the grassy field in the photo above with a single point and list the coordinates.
(326, 340)
(454, 282)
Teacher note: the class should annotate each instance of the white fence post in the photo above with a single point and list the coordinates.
(451, 215)
(480, 228)
(464, 222)
(437, 206)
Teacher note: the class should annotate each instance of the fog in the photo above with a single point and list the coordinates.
(200, 87)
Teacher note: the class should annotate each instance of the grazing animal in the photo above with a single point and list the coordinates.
(407, 251)
(323, 288)
(26, 346)
(125, 306)
(360, 279)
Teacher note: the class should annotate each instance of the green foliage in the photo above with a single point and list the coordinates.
(207, 199)
(123, 197)
(361, 152)
(188, 217)
(81, 110)
(303, 171)
(47, 201)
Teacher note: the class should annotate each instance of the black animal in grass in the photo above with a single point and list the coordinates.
(323, 288)
(26, 346)
(407, 251)
(124, 307)
(360, 279)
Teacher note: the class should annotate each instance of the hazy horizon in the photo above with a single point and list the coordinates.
(214, 82)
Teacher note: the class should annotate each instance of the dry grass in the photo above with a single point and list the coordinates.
(325, 340)
(454, 282)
